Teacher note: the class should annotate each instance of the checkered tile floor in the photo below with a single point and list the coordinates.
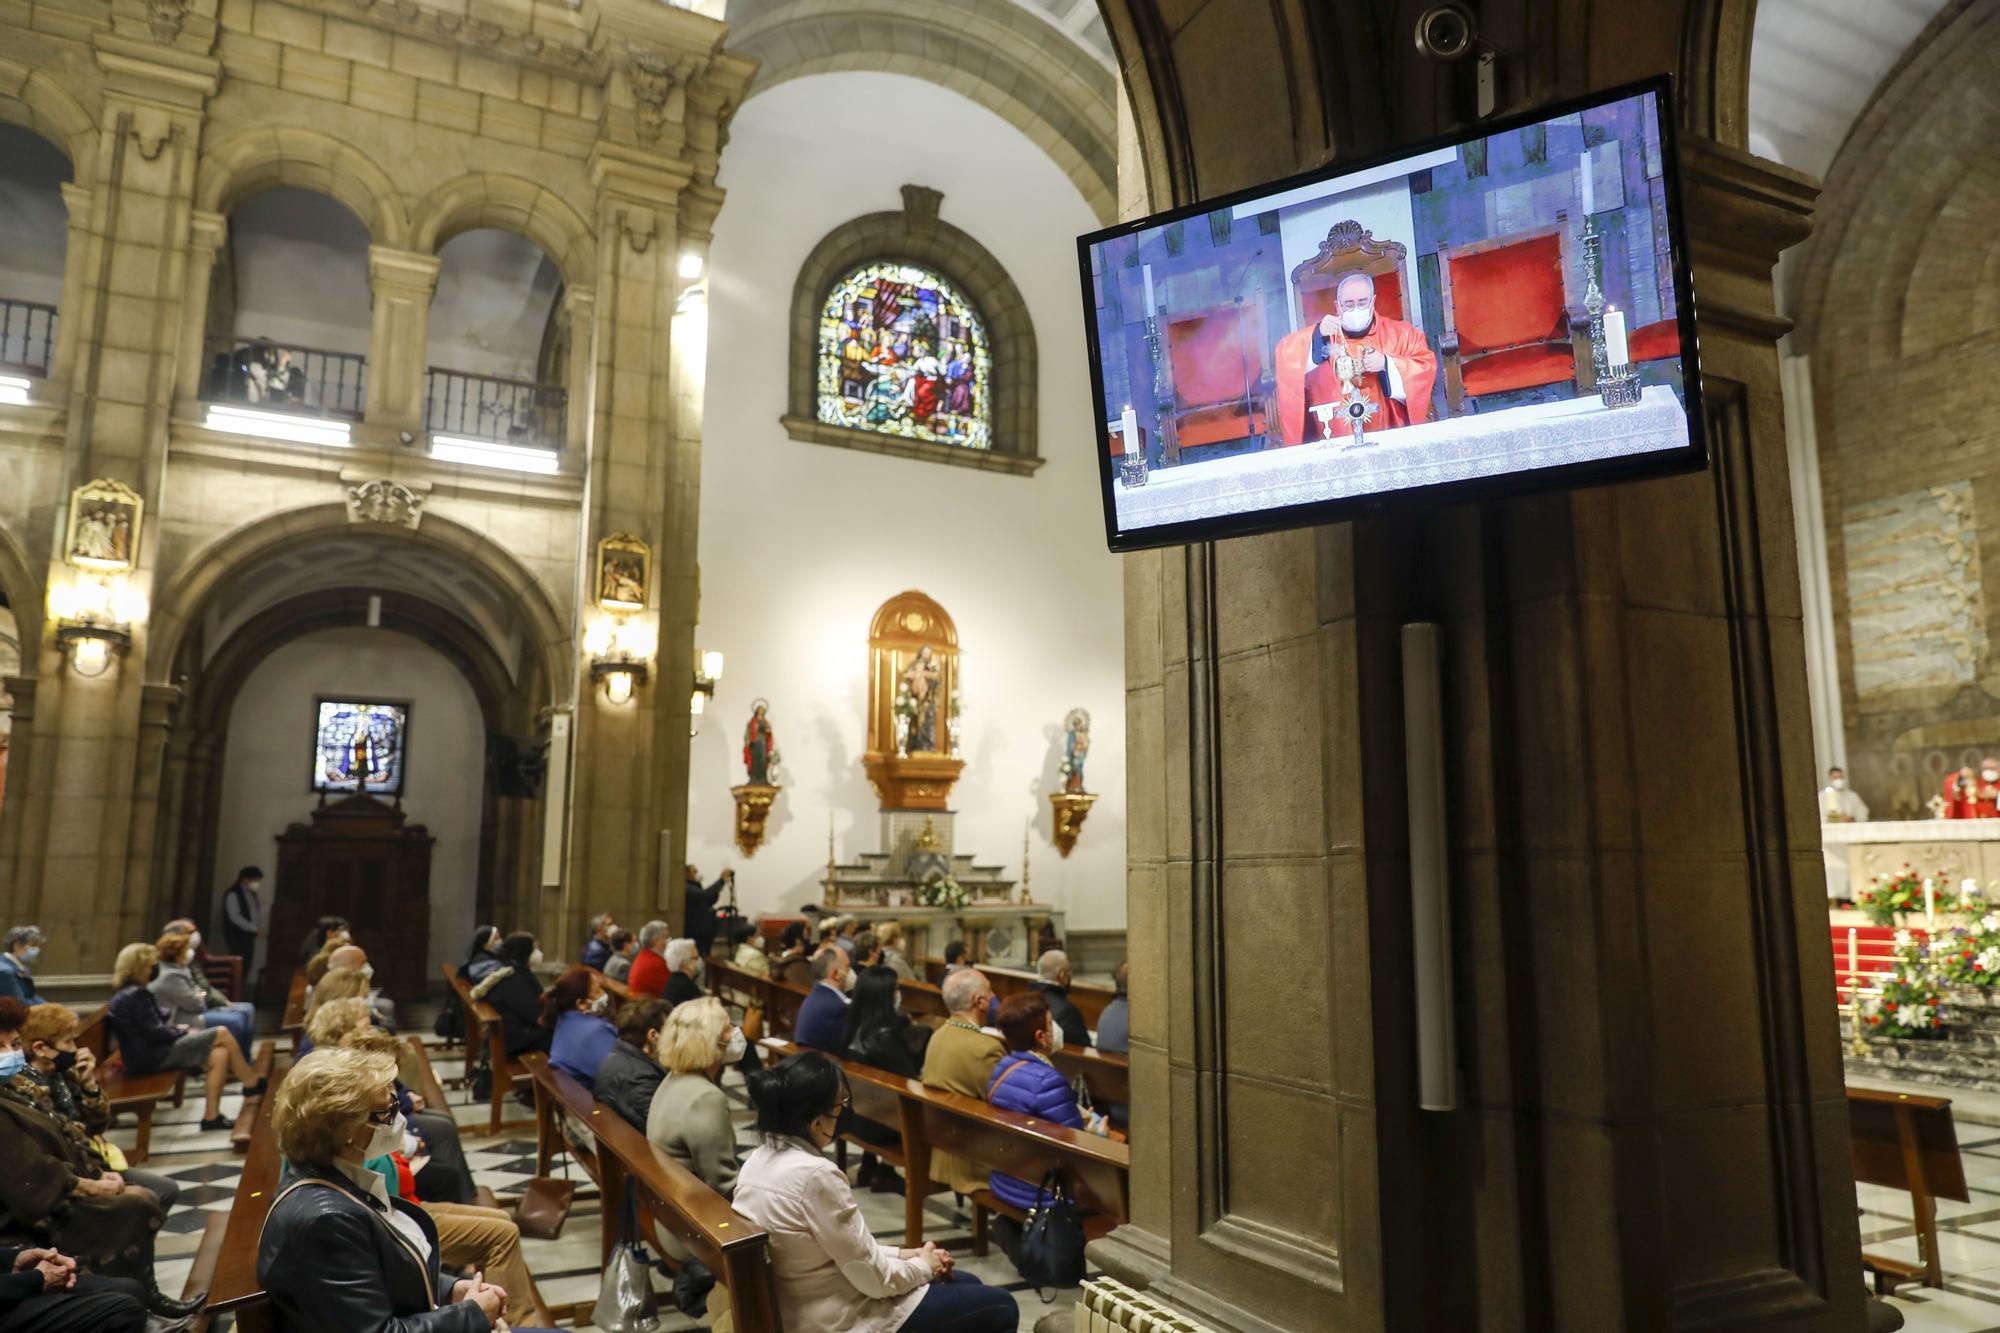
(567, 1269)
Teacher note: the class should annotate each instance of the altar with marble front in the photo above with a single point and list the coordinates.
(1948, 849)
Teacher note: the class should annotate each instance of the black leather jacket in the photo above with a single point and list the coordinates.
(332, 1264)
(626, 1082)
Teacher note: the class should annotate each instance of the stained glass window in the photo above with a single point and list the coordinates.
(358, 747)
(902, 352)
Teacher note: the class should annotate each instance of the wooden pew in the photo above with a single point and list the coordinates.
(780, 1000)
(736, 1250)
(246, 1117)
(294, 1022)
(235, 1289)
(482, 1023)
(1106, 1074)
(922, 1000)
(126, 1091)
(1907, 1142)
(1089, 1000)
(473, 1031)
(618, 990)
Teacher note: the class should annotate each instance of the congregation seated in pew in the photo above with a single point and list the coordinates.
(631, 1073)
(793, 962)
(831, 1273)
(1053, 969)
(61, 1077)
(206, 1005)
(1025, 1081)
(961, 1058)
(481, 957)
(624, 948)
(822, 1020)
(42, 1292)
(19, 949)
(597, 948)
(443, 1174)
(689, 1117)
(54, 1189)
(316, 942)
(747, 952)
(580, 1036)
(683, 960)
(149, 1043)
(339, 1252)
(516, 996)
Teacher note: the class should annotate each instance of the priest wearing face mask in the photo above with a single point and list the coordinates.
(19, 949)
(1387, 361)
(1970, 794)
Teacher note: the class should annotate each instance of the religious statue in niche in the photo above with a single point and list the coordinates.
(918, 701)
(622, 560)
(103, 526)
(1076, 746)
(760, 747)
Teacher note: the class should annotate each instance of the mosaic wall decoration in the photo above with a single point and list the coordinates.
(1915, 618)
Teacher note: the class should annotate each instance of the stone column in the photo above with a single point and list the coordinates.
(402, 285)
(207, 233)
(580, 311)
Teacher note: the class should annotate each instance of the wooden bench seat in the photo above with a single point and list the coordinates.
(1090, 1001)
(263, 1062)
(673, 1198)
(1907, 1141)
(138, 1094)
(482, 1024)
(293, 1024)
(235, 1289)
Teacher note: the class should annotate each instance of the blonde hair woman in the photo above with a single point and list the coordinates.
(345, 984)
(689, 1117)
(333, 1020)
(890, 937)
(338, 1251)
(151, 1044)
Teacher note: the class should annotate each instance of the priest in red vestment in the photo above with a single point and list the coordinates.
(1393, 366)
(1969, 795)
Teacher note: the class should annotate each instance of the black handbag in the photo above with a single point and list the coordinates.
(1052, 1240)
(450, 1023)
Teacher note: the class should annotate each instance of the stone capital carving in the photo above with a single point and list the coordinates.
(659, 87)
(164, 18)
(385, 501)
(921, 204)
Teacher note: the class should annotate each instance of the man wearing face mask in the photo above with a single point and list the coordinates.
(822, 1020)
(1973, 793)
(19, 949)
(243, 918)
(1388, 362)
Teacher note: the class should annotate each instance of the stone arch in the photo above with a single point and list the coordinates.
(181, 603)
(24, 595)
(283, 155)
(34, 101)
(510, 203)
(1001, 56)
(917, 235)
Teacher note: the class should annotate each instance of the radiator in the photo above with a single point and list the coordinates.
(1111, 1307)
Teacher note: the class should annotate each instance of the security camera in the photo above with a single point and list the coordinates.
(1447, 32)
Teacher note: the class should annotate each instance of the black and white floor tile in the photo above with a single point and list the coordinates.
(567, 1269)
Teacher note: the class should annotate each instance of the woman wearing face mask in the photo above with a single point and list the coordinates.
(1025, 1081)
(51, 1186)
(511, 989)
(689, 1116)
(683, 963)
(573, 1010)
(19, 949)
(339, 1253)
(480, 958)
(631, 1074)
(149, 1043)
(831, 1273)
(61, 1078)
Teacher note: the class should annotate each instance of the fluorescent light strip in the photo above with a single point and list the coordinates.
(487, 453)
(278, 426)
(13, 390)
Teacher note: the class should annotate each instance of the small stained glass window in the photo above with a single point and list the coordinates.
(358, 747)
(902, 352)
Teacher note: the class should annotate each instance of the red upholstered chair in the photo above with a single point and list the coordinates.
(1221, 393)
(1508, 319)
(1657, 341)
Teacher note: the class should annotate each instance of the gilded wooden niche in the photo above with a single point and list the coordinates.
(913, 727)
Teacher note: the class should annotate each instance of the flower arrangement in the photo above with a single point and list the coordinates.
(1907, 1003)
(941, 890)
(1885, 900)
(1970, 955)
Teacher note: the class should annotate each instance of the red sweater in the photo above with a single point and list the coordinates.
(649, 973)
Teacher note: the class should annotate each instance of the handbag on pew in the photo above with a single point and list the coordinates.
(1052, 1241)
(625, 1301)
(544, 1206)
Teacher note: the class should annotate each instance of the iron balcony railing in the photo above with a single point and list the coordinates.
(27, 336)
(284, 377)
(489, 407)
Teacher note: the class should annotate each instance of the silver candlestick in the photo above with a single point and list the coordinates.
(1593, 298)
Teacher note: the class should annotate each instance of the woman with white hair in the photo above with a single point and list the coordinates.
(683, 962)
(689, 1116)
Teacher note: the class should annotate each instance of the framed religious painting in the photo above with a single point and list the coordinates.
(103, 528)
(359, 746)
(623, 562)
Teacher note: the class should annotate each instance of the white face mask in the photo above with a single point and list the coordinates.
(384, 1139)
(535, 958)
(1055, 1037)
(602, 1004)
(366, 969)
(1357, 321)
(1838, 784)
(194, 941)
(1990, 774)
(732, 1050)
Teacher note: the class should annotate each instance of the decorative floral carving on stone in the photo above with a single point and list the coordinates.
(165, 18)
(384, 501)
(652, 83)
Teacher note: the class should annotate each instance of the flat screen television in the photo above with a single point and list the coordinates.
(1502, 310)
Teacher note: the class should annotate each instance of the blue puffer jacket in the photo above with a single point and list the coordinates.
(1031, 1085)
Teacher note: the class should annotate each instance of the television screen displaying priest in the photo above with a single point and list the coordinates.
(1386, 361)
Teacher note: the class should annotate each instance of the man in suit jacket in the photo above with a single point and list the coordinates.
(597, 949)
(822, 1021)
(960, 1058)
(1054, 970)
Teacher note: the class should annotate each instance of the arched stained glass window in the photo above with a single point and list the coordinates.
(902, 352)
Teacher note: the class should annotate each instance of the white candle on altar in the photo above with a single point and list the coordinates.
(1588, 186)
(1128, 427)
(1853, 956)
(1146, 271)
(1615, 350)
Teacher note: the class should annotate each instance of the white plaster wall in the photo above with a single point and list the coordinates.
(800, 543)
(301, 271)
(267, 764)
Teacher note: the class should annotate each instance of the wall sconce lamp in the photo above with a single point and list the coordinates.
(706, 676)
(618, 651)
(94, 616)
